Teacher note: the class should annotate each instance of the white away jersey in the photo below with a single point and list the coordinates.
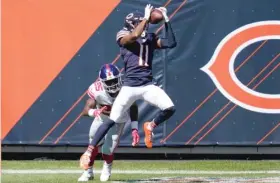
(102, 98)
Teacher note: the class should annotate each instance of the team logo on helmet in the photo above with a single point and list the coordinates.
(110, 77)
(129, 16)
(132, 20)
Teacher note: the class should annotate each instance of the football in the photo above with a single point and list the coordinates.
(156, 16)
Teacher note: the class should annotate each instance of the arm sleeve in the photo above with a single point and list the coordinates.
(169, 41)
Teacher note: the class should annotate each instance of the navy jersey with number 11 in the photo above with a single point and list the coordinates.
(138, 58)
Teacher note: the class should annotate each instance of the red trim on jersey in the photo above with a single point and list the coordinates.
(90, 94)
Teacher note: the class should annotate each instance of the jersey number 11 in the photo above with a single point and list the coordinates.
(144, 52)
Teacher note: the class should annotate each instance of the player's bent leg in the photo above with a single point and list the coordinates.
(108, 148)
(86, 162)
(123, 101)
(164, 115)
(112, 139)
(157, 97)
(100, 133)
(97, 122)
(102, 130)
(126, 97)
(87, 159)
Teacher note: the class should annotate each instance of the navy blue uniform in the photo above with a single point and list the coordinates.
(138, 58)
(138, 79)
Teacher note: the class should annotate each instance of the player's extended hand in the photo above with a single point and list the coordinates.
(97, 112)
(164, 13)
(135, 137)
(148, 10)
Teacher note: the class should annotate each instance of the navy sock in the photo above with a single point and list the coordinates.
(164, 115)
(101, 131)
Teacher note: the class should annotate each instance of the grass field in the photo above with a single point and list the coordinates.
(144, 171)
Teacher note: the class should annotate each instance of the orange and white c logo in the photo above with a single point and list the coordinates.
(221, 67)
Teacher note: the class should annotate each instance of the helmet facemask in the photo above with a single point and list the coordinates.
(112, 85)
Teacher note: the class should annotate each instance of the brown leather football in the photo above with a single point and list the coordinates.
(156, 16)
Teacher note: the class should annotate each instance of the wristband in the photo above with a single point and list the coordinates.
(91, 112)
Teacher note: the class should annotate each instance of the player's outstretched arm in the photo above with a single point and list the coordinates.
(169, 41)
(90, 104)
(136, 33)
(90, 109)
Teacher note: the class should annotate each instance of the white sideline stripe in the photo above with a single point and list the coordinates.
(54, 171)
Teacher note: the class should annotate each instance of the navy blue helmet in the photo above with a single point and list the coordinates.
(110, 77)
(132, 20)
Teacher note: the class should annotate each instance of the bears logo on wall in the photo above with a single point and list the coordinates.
(220, 68)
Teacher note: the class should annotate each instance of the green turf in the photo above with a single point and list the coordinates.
(151, 165)
(71, 178)
(64, 178)
(133, 165)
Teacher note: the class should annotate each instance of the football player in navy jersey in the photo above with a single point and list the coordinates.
(137, 48)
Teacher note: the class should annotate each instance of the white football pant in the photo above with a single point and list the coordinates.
(152, 94)
(111, 140)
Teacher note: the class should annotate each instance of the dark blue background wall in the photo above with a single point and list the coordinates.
(204, 116)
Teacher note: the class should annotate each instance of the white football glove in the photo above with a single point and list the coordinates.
(164, 13)
(148, 10)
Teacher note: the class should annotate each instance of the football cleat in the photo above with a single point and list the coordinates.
(85, 161)
(148, 135)
(86, 176)
(106, 172)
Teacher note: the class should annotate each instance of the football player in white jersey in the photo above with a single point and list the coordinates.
(102, 94)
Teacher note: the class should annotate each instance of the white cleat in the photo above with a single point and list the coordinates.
(106, 172)
(86, 176)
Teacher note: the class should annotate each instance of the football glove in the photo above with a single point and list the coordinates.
(148, 10)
